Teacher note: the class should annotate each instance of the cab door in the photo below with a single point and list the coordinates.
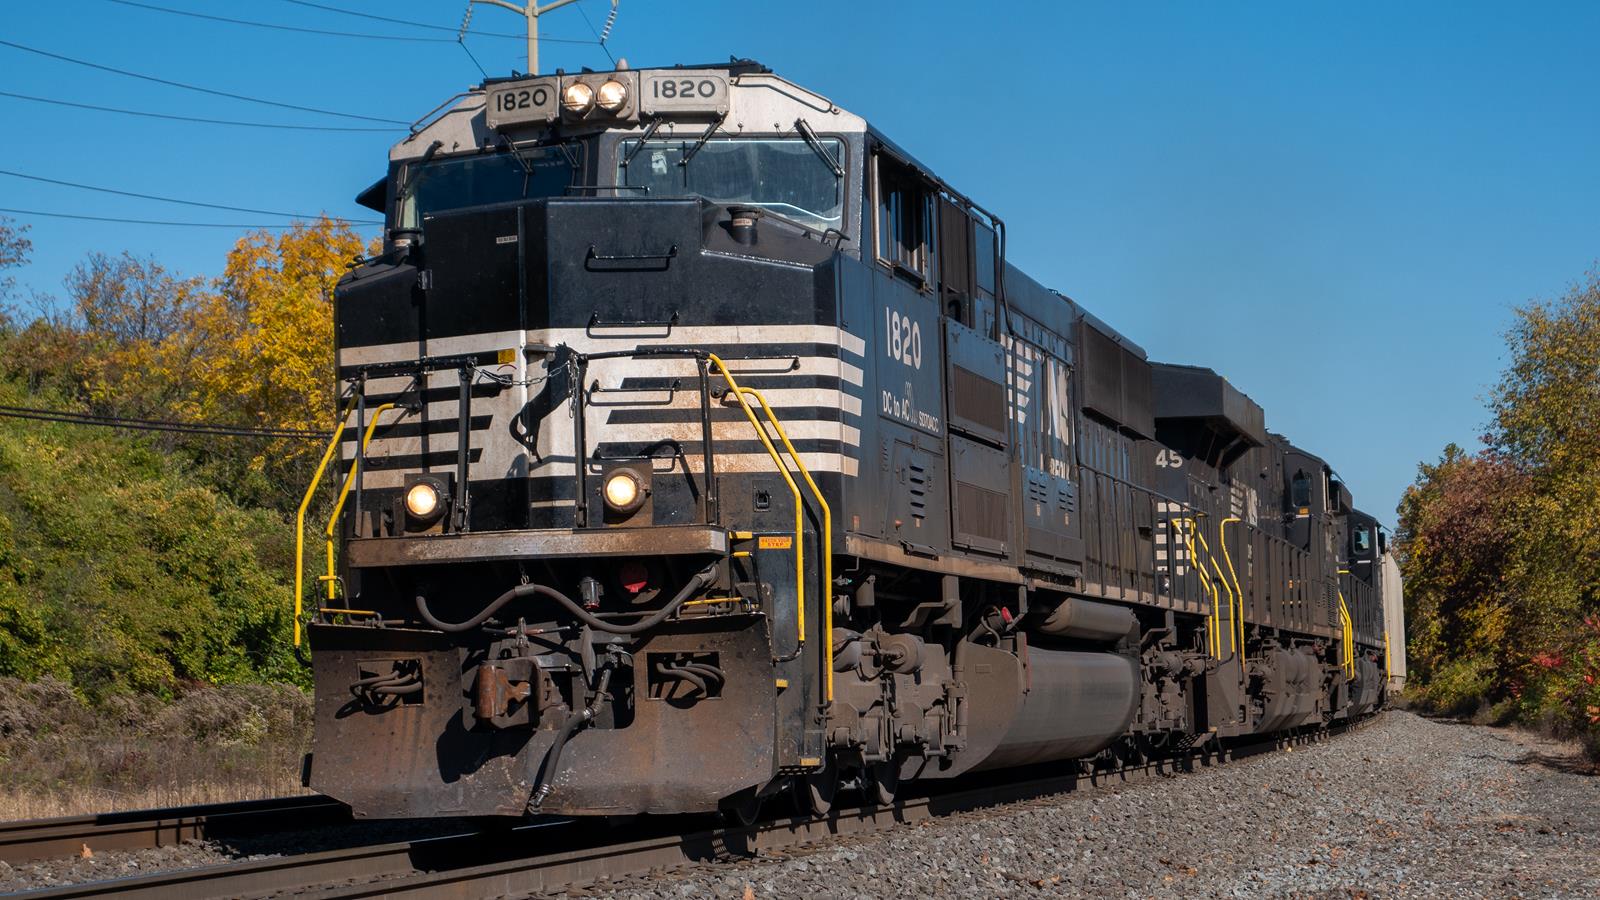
(983, 471)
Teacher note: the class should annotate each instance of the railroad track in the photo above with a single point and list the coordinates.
(34, 839)
(550, 854)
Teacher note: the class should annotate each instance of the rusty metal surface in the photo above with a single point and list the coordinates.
(24, 841)
(879, 551)
(555, 542)
(680, 753)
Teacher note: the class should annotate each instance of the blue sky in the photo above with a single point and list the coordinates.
(1336, 205)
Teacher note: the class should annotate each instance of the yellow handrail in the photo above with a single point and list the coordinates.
(740, 393)
(1205, 586)
(350, 478)
(827, 537)
(1349, 628)
(1211, 557)
(1238, 588)
(789, 479)
(1347, 653)
(300, 517)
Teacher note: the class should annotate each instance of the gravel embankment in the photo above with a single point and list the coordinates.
(1406, 807)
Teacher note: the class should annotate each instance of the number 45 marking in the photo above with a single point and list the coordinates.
(1169, 459)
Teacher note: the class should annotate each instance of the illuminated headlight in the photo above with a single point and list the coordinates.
(422, 500)
(623, 491)
(577, 97)
(612, 95)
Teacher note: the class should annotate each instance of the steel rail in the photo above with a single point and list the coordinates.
(494, 863)
(34, 839)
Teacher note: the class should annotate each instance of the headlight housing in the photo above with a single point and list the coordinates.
(423, 500)
(624, 492)
(612, 96)
(577, 98)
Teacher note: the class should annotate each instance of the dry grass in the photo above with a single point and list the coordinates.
(59, 756)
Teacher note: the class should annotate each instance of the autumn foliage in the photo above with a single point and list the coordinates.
(138, 560)
(1501, 549)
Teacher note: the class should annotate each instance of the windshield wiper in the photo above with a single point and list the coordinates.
(649, 132)
(804, 128)
(703, 138)
(415, 172)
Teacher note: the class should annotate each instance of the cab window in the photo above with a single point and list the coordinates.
(1361, 541)
(904, 210)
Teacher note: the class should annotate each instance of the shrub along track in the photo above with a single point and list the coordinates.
(552, 853)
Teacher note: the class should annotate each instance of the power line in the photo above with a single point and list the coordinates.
(206, 428)
(429, 26)
(276, 27)
(243, 209)
(121, 221)
(197, 88)
(597, 38)
(197, 119)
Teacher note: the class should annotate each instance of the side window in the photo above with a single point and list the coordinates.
(955, 261)
(1300, 491)
(1361, 542)
(904, 210)
(985, 249)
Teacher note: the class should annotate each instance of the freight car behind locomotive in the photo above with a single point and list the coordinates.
(703, 444)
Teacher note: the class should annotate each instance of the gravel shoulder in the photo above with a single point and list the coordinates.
(1405, 807)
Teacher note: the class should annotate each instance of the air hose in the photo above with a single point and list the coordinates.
(521, 591)
(577, 720)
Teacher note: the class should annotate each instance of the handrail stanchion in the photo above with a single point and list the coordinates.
(799, 503)
(333, 521)
(305, 504)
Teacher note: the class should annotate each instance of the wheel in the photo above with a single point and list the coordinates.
(813, 794)
(744, 809)
(883, 779)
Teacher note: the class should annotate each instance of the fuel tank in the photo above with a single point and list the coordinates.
(1075, 705)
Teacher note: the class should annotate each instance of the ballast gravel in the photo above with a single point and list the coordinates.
(1405, 807)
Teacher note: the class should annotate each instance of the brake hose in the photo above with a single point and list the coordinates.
(700, 580)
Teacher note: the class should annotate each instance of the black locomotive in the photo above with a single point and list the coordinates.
(701, 445)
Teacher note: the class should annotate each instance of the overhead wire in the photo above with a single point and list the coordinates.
(126, 221)
(206, 428)
(196, 119)
(276, 27)
(194, 87)
(431, 27)
(221, 206)
(597, 36)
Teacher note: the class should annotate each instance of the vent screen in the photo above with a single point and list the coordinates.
(977, 399)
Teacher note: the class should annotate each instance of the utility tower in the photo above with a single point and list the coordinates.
(532, 11)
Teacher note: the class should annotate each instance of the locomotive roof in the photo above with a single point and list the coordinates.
(758, 98)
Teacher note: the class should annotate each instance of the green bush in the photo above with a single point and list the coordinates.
(121, 571)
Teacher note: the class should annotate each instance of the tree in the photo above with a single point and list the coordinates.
(266, 346)
(1499, 548)
(137, 320)
(14, 250)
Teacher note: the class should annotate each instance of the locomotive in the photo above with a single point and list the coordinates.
(702, 445)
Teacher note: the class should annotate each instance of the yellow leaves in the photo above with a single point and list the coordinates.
(267, 359)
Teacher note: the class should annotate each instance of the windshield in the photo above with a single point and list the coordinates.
(480, 180)
(783, 175)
